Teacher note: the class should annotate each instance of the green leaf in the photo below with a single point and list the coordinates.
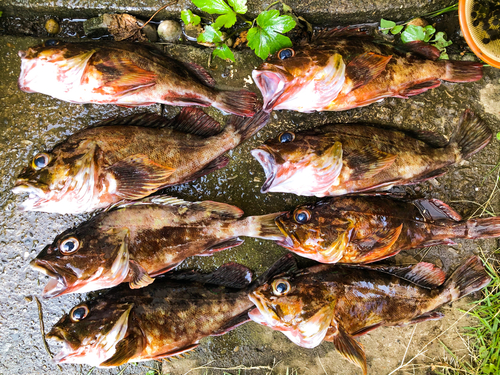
(498, 136)
(440, 42)
(188, 17)
(386, 24)
(413, 33)
(151, 372)
(1, 13)
(213, 6)
(429, 30)
(227, 20)
(264, 38)
(239, 6)
(224, 53)
(396, 29)
(210, 35)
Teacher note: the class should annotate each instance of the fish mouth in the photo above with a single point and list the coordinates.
(57, 284)
(288, 241)
(36, 195)
(262, 314)
(271, 84)
(268, 163)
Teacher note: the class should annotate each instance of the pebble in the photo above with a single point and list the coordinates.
(52, 26)
(150, 32)
(169, 31)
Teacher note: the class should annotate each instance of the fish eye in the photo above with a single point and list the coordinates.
(302, 215)
(40, 161)
(286, 53)
(78, 313)
(286, 137)
(69, 245)
(51, 43)
(281, 287)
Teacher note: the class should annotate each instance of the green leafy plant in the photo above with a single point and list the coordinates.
(265, 33)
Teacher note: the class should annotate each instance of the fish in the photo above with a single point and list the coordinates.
(338, 159)
(130, 158)
(126, 74)
(336, 303)
(345, 68)
(137, 241)
(365, 229)
(165, 319)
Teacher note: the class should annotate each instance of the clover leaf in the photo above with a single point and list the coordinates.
(189, 17)
(239, 6)
(227, 20)
(223, 52)
(386, 25)
(265, 38)
(210, 35)
(412, 33)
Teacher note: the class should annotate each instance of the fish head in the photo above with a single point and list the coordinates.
(61, 180)
(314, 231)
(91, 331)
(302, 79)
(84, 259)
(303, 163)
(299, 305)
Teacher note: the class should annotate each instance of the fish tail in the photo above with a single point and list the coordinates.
(463, 71)
(467, 278)
(241, 103)
(471, 135)
(488, 227)
(263, 227)
(246, 127)
(286, 263)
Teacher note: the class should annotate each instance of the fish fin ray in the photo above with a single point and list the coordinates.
(329, 165)
(232, 275)
(149, 120)
(247, 127)
(431, 315)
(429, 175)
(471, 135)
(77, 65)
(467, 278)
(434, 209)
(379, 243)
(140, 277)
(194, 121)
(138, 176)
(463, 71)
(349, 348)
(216, 164)
(365, 68)
(232, 324)
(424, 274)
(418, 88)
(126, 348)
(174, 352)
(365, 330)
(222, 246)
(240, 103)
(264, 226)
(200, 72)
(422, 49)
(368, 162)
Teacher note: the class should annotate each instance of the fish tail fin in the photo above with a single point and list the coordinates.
(241, 103)
(246, 127)
(286, 263)
(488, 227)
(463, 71)
(469, 277)
(263, 227)
(471, 135)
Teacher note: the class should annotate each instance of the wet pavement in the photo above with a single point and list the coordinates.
(30, 123)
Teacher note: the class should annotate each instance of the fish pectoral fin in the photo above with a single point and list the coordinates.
(174, 352)
(121, 77)
(140, 277)
(369, 161)
(218, 163)
(423, 274)
(193, 120)
(365, 68)
(232, 324)
(222, 246)
(329, 165)
(379, 244)
(126, 348)
(431, 315)
(138, 176)
(418, 88)
(348, 347)
(200, 72)
(434, 209)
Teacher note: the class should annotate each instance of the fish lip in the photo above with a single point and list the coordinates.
(271, 84)
(287, 241)
(36, 194)
(268, 162)
(57, 284)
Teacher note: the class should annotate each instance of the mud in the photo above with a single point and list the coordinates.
(30, 123)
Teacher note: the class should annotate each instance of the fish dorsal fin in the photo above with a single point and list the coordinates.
(434, 209)
(347, 346)
(140, 277)
(424, 274)
(138, 176)
(150, 120)
(366, 67)
(329, 165)
(422, 49)
(368, 161)
(201, 73)
(232, 275)
(221, 210)
(157, 199)
(122, 77)
(194, 121)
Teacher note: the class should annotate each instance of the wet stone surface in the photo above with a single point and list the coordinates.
(30, 123)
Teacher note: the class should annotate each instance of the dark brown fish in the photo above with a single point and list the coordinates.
(129, 159)
(363, 229)
(137, 241)
(345, 68)
(167, 318)
(341, 159)
(127, 74)
(338, 303)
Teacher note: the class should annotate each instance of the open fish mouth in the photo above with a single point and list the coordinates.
(271, 84)
(268, 163)
(262, 314)
(36, 196)
(57, 284)
(288, 241)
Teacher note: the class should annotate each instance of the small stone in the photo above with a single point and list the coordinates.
(28, 298)
(52, 26)
(169, 31)
(150, 32)
(236, 348)
(96, 26)
(418, 22)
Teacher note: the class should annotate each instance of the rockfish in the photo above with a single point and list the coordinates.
(129, 159)
(342, 159)
(127, 74)
(363, 229)
(137, 241)
(165, 319)
(338, 302)
(344, 69)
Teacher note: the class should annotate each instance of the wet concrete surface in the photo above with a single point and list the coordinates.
(30, 123)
